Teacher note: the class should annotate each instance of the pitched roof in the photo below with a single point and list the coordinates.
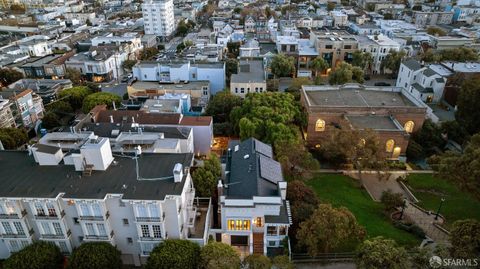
(412, 64)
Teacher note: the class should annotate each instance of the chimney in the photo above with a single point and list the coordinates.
(178, 173)
(282, 188)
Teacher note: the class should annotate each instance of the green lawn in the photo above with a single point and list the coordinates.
(340, 190)
(458, 204)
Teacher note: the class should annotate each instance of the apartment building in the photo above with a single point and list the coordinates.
(91, 196)
(47, 89)
(27, 107)
(6, 115)
(250, 78)
(254, 213)
(379, 46)
(182, 71)
(431, 18)
(334, 47)
(49, 67)
(131, 43)
(100, 64)
(158, 17)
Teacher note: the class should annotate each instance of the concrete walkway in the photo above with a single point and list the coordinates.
(427, 222)
(376, 184)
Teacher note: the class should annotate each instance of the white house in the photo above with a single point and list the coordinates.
(379, 46)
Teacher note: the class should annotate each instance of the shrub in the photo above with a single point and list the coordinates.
(39, 255)
(95, 255)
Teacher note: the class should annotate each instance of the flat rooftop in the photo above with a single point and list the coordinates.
(355, 96)
(28, 179)
(373, 122)
(249, 71)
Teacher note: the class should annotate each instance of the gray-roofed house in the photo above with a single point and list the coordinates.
(250, 78)
(255, 214)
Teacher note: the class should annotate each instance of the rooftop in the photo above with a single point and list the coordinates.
(373, 122)
(249, 71)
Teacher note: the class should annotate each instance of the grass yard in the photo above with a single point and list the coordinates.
(458, 204)
(340, 190)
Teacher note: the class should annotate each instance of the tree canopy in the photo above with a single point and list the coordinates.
(282, 262)
(38, 255)
(73, 75)
(327, 228)
(257, 261)
(9, 76)
(221, 105)
(216, 255)
(148, 53)
(95, 255)
(174, 254)
(12, 138)
(436, 31)
(296, 160)
(391, 200)
(465, 239)
(128, 64)
(100, 98)
(362, 59)
(460, 54)
(345, 73)
(205, 178)
(392, 61)
(318, 65)
(282, 65)
(380, 253)
(468, 102)
(75, 95)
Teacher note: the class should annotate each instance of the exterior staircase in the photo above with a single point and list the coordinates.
(258, 243)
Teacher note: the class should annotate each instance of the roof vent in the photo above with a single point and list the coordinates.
(246, 156)
(236, 148)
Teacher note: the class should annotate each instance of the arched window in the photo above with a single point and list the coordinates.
(409, 125)
(389, 145)
(320, 125)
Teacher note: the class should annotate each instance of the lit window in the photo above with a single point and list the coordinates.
(272, 230)
(238, 225)
(409, 125)
(320, 125)
(389, 145)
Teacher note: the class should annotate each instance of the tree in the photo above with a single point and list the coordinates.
(388, 16)
(148, 53)
(205, 178)
(59, 107)
(233, 49)
(468, 102)
(462, 169)
(380, 253)
(294, 157)
(216, 255)
(257, 261)
(345, 73)
(391, 200)
(95, 255)
(327, 228)
(221, 105)
(50, 120)
(73, 75)
(174, 254)
(128, 64)
(465, 239)
(364, 60)
(182, 29)
(231, 67)
(455, 131)
(296, 85)
(282, 262)
(38, 255)
(429, 138)
(318, 65)
(392, 61)
(331, 6)
(460, 54)
(12, 138)
(17, 8)
(9, 76)
(100, 98)
(282, 65)
(75, 95)
(436, 31)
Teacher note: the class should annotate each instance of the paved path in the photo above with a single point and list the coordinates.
(376, 184)
(325, 266)
(426, 221)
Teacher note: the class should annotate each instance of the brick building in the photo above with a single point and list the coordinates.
(391, 112)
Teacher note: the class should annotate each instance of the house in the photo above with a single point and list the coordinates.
(250, 25)
(431, 18)
(250, 78)
(379, 46)
(48, 67)
(6, 115)
(71, 198)
(27, 107)
(389, 111)
(254, 213)
(47, 89)
(251, 48)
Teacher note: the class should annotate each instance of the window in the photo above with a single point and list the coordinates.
(238, 225)
(63, 247)
(10, 208)
(39, 209)
(320, 125)
(46, 228)
(258, 222)
(75, 220)
(328, 46)
(261, 89)
(154, 212)
(157, 232)
(96, 210)
(145, 230)
(129, 240)
(125, 221)
(57, 228)
(236, 90)
(409, 125)
(282, 230)
(101, 229)
(89, 228)
(389, 145)
(272, 243)
(14, 247)
(142, 211)
(272, 230)
(347, 47)
(242, 90)
(51, 210)
(85, 210)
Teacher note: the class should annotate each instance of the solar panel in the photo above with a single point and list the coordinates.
(263, 148)
(270, 169)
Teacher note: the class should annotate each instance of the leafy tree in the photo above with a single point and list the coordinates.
(318, 65)
(294, 157)
(392, 61)
(455, 131)
(282, 65)
(174, 254)
(380, 253)
(75, 95)
(100, 98)
(415, 151)
(257, 261)
(182, 28)
(362, 59)
(128, 64)
(436, 31)
(331, 6)
(73, 75)
(231, 67)
(38, 255)
(9, 76)
(460, 54)
(60, 107)
(463, 169)
(17, 8)
(346, 73)
(205, 178)
(221, 105)
(388, 16)
(95, 255)
(429, 137)
(50, 120)
(391, 200)
(282, 262)
(216, 255)
(148, 53)
(12, 138)
(233, 49)
(296, 85)
(468, 102)
(267, 117)
(465, 239)
(327, 228)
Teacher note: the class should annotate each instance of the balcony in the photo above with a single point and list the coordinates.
(30, 233)
(50, 216)
(151, 219)
(100, 237)
(14, 216)
(95, 218)
(150, 238)
(55, 236)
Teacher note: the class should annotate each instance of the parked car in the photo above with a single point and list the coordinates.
(381, 83)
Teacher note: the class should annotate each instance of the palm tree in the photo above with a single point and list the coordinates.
(318, 65)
